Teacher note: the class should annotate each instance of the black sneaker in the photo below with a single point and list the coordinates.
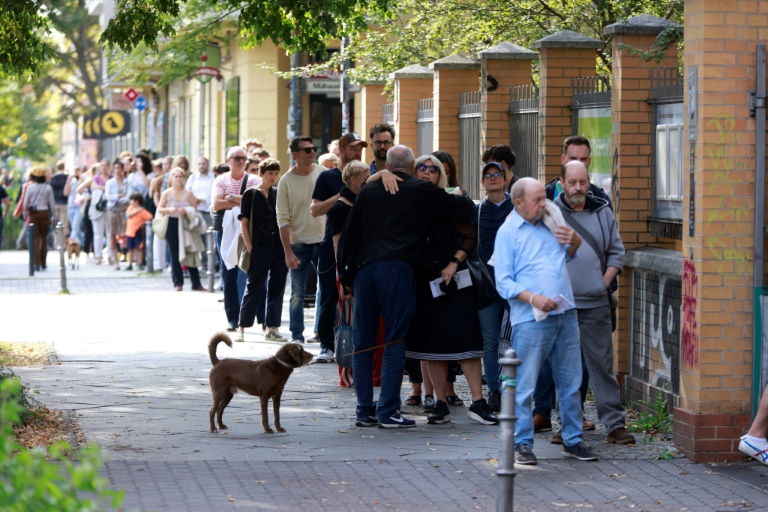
(370, 421)
(481, 412)
(524, 455)
(440, 414)
(494, 401)
(429, 403)
(581, 451)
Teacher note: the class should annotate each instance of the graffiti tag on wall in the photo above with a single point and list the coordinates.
(690, 338)
(656, 329)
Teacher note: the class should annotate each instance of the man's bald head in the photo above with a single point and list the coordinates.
(400, 158)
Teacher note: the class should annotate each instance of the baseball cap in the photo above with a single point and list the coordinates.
(493, 166)
(352, 138)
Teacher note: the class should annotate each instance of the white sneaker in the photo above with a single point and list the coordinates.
(758, 451)
(274, 335)
(325, 356)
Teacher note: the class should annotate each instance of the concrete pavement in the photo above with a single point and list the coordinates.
(132, 374)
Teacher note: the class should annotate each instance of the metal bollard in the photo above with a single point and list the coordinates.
(31, 246)
(150, 244)
(62, 261)
(507, 418)
(211, 251)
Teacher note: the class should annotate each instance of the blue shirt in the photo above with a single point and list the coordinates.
(529, 257)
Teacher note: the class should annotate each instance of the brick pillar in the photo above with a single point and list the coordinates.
(631, 139)
(412, 84)
(717, 304)
(563, 56)
(372, 99)
(453, 76)
(501, 67)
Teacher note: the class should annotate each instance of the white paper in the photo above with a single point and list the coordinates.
(462, 278)
(563, 305)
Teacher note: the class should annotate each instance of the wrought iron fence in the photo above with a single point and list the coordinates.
(425, 126)
(388, 113)
(524, 129)
(469, 143)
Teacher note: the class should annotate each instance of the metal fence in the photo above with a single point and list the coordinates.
(425, 127)
(524, 129)
(588, 92)
(667, 154)
(388, 113)
(470, 148)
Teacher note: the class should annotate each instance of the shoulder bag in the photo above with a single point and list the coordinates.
(243, 255)
(160, 225)
(342, 336)
(485, 286)
(218, 215)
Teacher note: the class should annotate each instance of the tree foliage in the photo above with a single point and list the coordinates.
(23, 43)
(23, 123)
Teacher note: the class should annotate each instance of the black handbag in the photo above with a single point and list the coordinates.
(342, 337)
(484, 284)
(102, 204)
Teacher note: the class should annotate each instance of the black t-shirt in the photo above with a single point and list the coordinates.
(58, 182)
(263, 230)
(328, 184)
(3, 195)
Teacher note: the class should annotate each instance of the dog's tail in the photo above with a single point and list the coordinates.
(219, 337)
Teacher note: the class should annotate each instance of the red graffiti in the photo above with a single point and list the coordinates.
(690, 343)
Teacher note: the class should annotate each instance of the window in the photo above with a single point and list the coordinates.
(669, 161)
(233, 112)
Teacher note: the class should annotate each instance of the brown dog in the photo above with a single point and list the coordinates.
(265, 379)
(73, 252)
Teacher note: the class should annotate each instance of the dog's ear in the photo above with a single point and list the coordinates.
(296, 353)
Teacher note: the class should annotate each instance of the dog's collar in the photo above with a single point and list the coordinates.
(283, 363)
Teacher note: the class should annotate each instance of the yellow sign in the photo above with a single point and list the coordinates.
(112, 123)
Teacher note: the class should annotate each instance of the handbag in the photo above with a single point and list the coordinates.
(160, 225)
(343, 348)
(243, 256)
(218, 215)
(102, 204)
(485, 285)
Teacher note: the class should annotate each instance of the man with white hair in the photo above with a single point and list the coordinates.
(531, 274)
(226, 194)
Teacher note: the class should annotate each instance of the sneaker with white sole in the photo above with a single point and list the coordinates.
(758, 450)
(325, 356)
(581, 451)
(274, 335)
(239, 336)
(524, 455)
(481, 412)
(429, 403)
(440, 414)
(396, 421)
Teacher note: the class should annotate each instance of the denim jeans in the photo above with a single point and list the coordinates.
(490, 326)
(74, 223)
(383, 289)
(555, 338)
(544, 395)
(233, 282)
(307, 255)
(328, 305)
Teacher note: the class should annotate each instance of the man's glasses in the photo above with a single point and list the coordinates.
(309, 149)
(238, 158)
(431, 169)
(492, 175)
(382, 143)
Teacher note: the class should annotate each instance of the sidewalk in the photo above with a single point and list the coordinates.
(133, 375)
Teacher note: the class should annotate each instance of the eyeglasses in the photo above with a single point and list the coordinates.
(382, 143)
(309, 149)
(238, 158)
(431, 169)
(492, 175)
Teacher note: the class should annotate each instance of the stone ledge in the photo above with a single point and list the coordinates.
(568, 39)
(413, 71)
(643, 24)
(455, 62)
(652, 258)
(507, 51)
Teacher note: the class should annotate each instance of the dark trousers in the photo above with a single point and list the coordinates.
(233, 282)
(266, 262)
(42, 221)
(327, 309)
(172, 237)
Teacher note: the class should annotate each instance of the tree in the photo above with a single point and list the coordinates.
(23, 43)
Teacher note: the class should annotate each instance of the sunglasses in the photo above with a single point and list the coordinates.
(238, 158)
(431, 169)
(492, 175)
(308, 150)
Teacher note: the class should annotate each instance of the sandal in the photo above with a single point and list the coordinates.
(454, 401)
(413, 400)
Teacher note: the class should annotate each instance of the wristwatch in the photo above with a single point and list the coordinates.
(231, 198)
(455, 260)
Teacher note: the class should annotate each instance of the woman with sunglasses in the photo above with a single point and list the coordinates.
(435, 335)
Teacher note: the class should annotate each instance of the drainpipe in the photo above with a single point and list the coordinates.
(759, 358)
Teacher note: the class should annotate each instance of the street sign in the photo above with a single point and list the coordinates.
(140, 103)
(131, 94)
(106, 124)
(113, 123)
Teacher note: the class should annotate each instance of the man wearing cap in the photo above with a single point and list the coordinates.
(490, 215)
(300, 232)
(324, 196)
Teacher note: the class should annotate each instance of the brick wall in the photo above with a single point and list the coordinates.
(408, 92)
(373, 98)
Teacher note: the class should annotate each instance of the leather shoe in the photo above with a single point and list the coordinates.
(587, 425)
(620, 436)
(541, 424)
(557, 437)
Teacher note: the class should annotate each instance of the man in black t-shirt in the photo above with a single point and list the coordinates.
(58, 183)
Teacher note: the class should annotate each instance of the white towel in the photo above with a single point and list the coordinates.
(230, 229)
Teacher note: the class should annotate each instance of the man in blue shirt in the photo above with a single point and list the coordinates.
(531, 274)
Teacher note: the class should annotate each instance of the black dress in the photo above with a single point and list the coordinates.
(445, 328)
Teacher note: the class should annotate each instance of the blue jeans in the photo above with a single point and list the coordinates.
(555, 338)
(307, 256)
(544, 394)
(490, 326)
(233, 282)
(74, 222)
(328, 303)
(383, 289)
